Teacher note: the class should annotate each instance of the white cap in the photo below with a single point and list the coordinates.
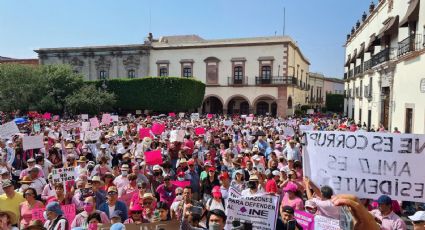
(103, 146)
(157, 167)
(418, 216)
(276, 173)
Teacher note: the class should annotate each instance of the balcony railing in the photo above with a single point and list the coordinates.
(237, 81)
(383, 56)
(411, 43)
(367, 65)
(345, 75)
(281, 80)
(358, 69)
(350, 73)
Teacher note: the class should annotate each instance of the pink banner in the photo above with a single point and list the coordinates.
(158, 128)
(106, 119)
(305, 219)
(199, 131)
(171, 114)
(153, 157)
(181, 184)
(209, 116)
(68, 210)
(144, 132)
(47, 116)
(94, 122)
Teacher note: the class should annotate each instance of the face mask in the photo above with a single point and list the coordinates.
(124, 173)
(139, 160)
(214, 226)
(88, 208)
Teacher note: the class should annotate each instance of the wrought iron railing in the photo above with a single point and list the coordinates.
(237, 81)
(409, 44)
(281, 80)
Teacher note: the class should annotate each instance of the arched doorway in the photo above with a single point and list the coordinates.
(262, 108)
(238, 105)
(212, 105)
(289, 102)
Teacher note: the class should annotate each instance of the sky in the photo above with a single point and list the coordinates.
(318, 27)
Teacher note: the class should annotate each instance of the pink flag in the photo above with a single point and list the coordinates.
(171, 114)
(47, 116)
(199, 131)
(158, 128)
(144, 132)
(181, 184)
(153, 157)
(94, 122)
(209, 116)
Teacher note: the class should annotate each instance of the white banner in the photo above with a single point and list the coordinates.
(85, 126)
(325, 223)
(367, 164)
(304, 128)
(32, 142)
(84, 116)
(261, 211)
(92, 135)
(288, 131)
(8, 129)
(177, 135)
(63, 174)
(71, 126)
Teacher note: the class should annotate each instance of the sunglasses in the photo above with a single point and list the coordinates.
(87, 203)
(136, 212)
(179, 194)
(418, 222)
(112, 193)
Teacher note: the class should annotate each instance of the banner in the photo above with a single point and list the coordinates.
(8, 129)
(325, 223)
(199, 131)
(305, 219)
(94, 122)
(367, 164)
(261, 211)
(106, 118)
(158, 128)
(177, 135)
(305, 128)
(32, 142)
(114, 118)
(71, 126)
(92, 135)
(181, 184)
(63, 174)
(84, 116)
(153, 157)
(144, 132)
(288, 131)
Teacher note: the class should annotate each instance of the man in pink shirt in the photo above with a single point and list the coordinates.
(122, 181)
(166, 191)
(322, 198)
(385, 216)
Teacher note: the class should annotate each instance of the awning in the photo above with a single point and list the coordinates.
(347, 63)
(390, 27)
(353, 59)
(373, 41)
(361, 52)
(412, 13)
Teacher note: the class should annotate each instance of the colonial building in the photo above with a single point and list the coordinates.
(247, 75)
(319, 86)
(384, 67)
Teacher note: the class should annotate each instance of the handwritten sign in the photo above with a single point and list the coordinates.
(177, 135)
(63, 174)
(68, 211)
(9, 129)
(153, 157)
(325, 223)
(367, 164)
(92, 135)
(32, 142)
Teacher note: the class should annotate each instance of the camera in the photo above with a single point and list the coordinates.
(241, 225)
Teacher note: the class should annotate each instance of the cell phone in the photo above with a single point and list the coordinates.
(291, 225)
(196, 210)
(345, 219)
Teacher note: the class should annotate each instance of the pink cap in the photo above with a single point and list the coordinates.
(290, 187)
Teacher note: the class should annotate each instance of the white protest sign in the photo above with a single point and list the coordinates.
(261, 211)
(228, 123)
(243, 116)
(63, 174)
(367, 164)
(138, 112)
(325, 223)
(106, 118)
(94, 122)
(32, 142)
(194, 116)
(310, 111)
(114, 118)
(288, 131)
(177, 135)
(181, 115)
(8, 129)
(92, 135)
(304, 128)
(249, 119)
(85, 126)
(84, 116)
(71, 126)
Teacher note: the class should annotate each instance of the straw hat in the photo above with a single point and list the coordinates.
(26, 180)
(69, 146)
(11, 215)
(82, 159)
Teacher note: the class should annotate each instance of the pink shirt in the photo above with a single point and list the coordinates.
(296, 204)
(326, 208)
(121, 182)
(26, 212)
(80, 219)
(390, 222)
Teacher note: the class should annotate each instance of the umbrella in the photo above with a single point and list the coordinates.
(20, 120)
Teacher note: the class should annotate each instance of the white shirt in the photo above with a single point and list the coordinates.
(111, 210)
(38, 184)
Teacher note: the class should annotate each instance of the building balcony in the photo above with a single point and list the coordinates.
(367, 65)
(350, 73)
(412, 43)
(358, 70)
(384, 55)
(234, 81)
(281, 80)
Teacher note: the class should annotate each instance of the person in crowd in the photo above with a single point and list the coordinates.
(217, 201)
(10, 201)
(166, 191)
(163, 212)
(135, 215)
(225, 184)
(137, 198)
(310, 207)
(6, 220)
(55, 217)
(418, 220)
(322, 199)
(26, 207)
(60, 195)
(108, 181)
(35, 225)
(112, 204)
(238, 181)
(194, 178)
(37, 182)
(291, 198)
(49, 189)
(208, 183)
(89, 207)
(127, 192)
(287, 220)
(252, 187)
(385, 217)
(148, 205)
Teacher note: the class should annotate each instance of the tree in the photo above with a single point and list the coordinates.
(89, 100)
(335, 102)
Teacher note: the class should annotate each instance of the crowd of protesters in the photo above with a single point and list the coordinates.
(114, 185)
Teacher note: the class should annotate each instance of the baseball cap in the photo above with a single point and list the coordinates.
(224, 175)
(112, 189)
(216, 191)
(290, 187)
(275, 173)
(6, 183)
(384, 199)
(311, 204)
(207, 163)
(288, 209)
(156, 167)
(418, 216)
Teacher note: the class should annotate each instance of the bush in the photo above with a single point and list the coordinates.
(160, 94)
(306, 107)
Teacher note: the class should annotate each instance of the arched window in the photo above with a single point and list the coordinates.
(131, 73)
